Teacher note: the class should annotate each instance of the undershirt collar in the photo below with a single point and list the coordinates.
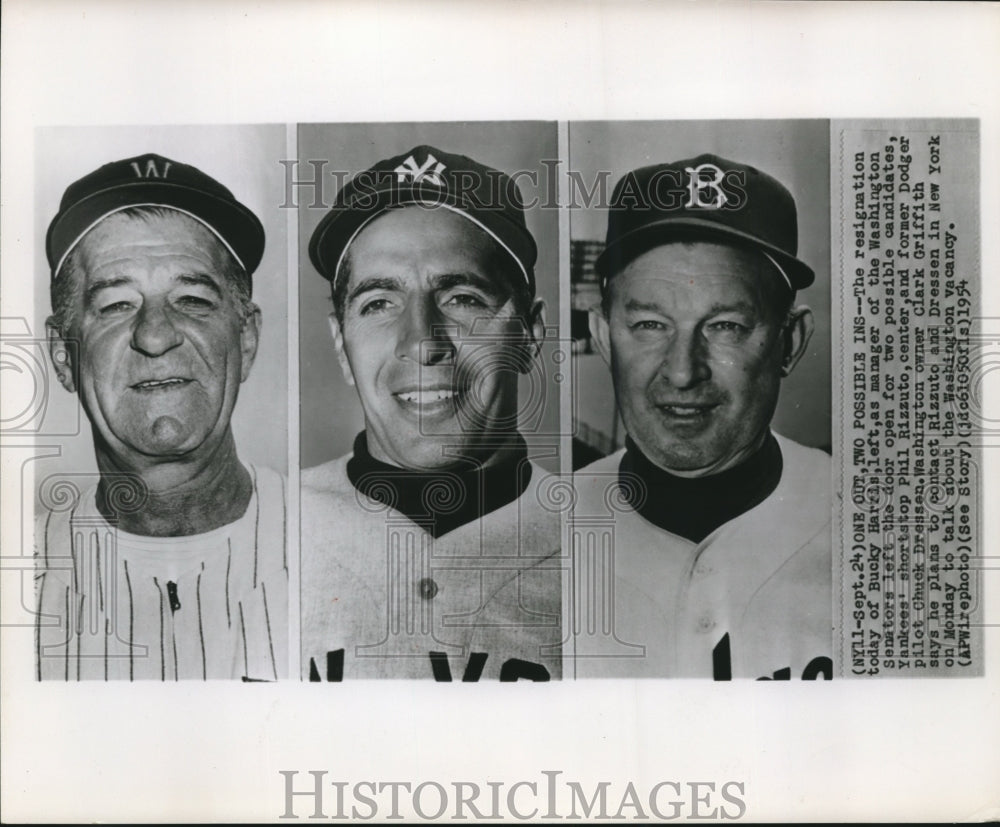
(441, 501)
(693, 507)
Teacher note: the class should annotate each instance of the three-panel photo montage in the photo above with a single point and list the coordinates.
(454, 401)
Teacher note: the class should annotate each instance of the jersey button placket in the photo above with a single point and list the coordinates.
(427, 588)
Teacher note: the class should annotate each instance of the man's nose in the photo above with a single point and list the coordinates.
(685, 363)
(155, 331)
(423, 335)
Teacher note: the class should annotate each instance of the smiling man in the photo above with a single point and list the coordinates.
(722, 544)
(427, 551)
(172, 565)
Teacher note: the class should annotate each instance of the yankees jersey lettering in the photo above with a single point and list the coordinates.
(119, 606)
(752, 599)
(383, 597)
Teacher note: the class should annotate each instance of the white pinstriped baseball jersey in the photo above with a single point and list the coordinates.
(119, 606)
(751, 600)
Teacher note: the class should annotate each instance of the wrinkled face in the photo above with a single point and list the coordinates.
(696, 354)
(163, 345)
(431, 338)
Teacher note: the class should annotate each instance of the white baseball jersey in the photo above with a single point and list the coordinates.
(753, 599)
(119, 606)
(383, 598)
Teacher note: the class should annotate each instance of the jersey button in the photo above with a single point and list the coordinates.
(427, 588)
(705, 624)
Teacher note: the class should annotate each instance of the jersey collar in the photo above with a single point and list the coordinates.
(441, 501)
(693, 507)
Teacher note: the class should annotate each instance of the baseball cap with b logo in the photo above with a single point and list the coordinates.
(708, 198)
(155, 181)
(429, 177)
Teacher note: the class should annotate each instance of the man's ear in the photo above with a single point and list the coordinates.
(600, 332)
(61, 352)
(798, 331)
(338, 343)
(536, 333)
(249, 339)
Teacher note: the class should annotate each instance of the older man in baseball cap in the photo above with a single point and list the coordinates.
(172, 565)
(426, 550)
(722, 543)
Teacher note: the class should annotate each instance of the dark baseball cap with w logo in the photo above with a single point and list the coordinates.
(432, 178)
(705, 198)
(155, 181)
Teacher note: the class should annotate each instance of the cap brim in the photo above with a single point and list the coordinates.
(638, 241)
(237, 227)
(342, 224)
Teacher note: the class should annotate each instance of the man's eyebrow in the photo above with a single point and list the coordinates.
(103, 284)
(634, 305)
(740, 306)
(374, 283)
(203, 279)
(446, 281)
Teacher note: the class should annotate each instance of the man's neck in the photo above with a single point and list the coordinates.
(178, 498)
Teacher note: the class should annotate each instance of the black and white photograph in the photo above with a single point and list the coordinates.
(161, 531)
(431, 546)
(631, 364)
(701, 283)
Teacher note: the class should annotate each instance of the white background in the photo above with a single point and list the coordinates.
(843, 749)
